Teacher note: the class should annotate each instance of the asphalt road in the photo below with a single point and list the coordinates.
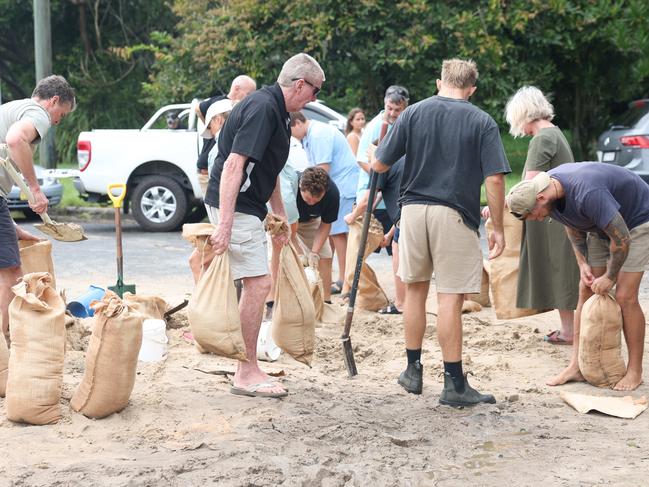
(157, 263)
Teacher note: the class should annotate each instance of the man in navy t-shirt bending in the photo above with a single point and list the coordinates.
(252, 150)
(605, 209)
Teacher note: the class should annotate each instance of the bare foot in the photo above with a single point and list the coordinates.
(569, 374)
(629, 382)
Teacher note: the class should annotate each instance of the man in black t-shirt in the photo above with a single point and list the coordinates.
(318, 200)
(452, 147)
(241, 87)
(252, 150)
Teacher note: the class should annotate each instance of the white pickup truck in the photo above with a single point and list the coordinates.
(157, 164)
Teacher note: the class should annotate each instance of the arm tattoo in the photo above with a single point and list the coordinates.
(578, 240)
(618, 232)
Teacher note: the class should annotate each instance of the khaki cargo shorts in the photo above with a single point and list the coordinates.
(307, 231)
(636, 261)
(247, 244)
(434, 238)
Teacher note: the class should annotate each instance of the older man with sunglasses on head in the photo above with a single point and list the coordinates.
(605, 209)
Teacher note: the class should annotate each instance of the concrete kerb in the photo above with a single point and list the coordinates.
(88, 213)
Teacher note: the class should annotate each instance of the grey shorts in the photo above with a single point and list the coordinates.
(636, 261)
(9, 253)
(248, 252)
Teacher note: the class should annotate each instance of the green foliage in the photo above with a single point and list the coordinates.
(127, 58)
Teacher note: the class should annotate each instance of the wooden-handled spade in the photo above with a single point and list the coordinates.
(348, 352)
(65, 232)
(120, 288)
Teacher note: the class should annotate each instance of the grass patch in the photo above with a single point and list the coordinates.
(70, 194)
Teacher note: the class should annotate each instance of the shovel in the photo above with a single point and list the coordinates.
(348, 351)
(65, 232)
(120, 288)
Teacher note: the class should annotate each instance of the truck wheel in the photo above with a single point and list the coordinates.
(159, 204)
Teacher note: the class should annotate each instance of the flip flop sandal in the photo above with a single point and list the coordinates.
(390, 309)
(252, 390)
(336, 287)
(555, 339)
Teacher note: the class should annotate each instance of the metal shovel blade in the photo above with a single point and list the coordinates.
(65, 232)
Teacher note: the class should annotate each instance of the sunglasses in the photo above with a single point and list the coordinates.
(316, 90)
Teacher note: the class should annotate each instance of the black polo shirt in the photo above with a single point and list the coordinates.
(389, 183)
(326, 208)
(201, 162)
(258, 129)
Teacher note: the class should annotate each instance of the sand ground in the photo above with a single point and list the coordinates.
(183, 428)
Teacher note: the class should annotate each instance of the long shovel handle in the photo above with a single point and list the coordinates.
(348, 352)
(20, 182)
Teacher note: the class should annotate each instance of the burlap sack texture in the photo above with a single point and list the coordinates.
(198, 234)
(213, 310)
(483, 297)
(370, 294)
(503, 272)
(111, 360)
(600, 341)
(325, 313)
(294, 316)
(37, 257)
(4, 364)
(150, 307)
(35, 377)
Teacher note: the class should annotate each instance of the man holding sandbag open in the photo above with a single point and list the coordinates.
(252, 149)
(23, 124)
(605, 209)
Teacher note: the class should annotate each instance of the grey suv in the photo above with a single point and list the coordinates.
(626, 142)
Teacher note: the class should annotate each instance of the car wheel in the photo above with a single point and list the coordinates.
(159, 204)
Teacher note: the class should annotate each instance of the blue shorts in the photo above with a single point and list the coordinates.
(395, 237)
(345, 207)
(9, 252)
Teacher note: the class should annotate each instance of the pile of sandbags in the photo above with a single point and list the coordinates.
(213, 311)
(503, 272)
(37, 331)
(111, 360)
(600, 341)
(294, 315)
(370, 294)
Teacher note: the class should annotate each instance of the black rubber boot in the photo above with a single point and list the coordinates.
(412, 379)
(469, 397)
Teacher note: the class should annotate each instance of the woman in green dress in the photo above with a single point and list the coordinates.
(548, 276)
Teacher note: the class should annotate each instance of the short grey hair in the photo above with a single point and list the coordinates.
(459, 73)
(528, 104)
(55, 85)
(300, 66)
(396, 94)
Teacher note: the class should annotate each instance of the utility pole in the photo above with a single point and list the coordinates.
(43, 58)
